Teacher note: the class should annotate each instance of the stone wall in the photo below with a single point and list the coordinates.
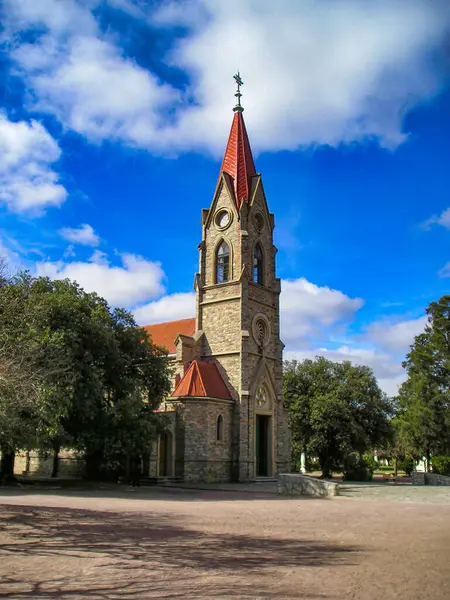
(429, 479)
(293, 484)
(205, 457)
(32, 463)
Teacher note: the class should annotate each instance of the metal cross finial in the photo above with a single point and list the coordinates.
(239, 82)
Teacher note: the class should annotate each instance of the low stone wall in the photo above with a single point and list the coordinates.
(430, 479)
(293, 484)
(32, 463)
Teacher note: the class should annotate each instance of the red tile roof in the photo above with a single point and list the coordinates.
(202, 379)
(238, 159)
(165, 334)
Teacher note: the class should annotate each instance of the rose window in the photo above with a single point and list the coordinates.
(261, 331)
(259, 222)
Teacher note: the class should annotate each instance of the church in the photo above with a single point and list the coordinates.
(226, 416)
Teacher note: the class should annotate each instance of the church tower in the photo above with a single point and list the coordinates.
(238, 307)
(228, 422)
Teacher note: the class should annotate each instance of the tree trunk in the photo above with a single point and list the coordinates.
(27, 463)
(7, 465)
(93, 465)
(326, 468)
(427, 461)
(55, 468)
(395, 467)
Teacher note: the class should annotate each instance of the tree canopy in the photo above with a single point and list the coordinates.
(423, 415)
(335, 408)
(73, 371)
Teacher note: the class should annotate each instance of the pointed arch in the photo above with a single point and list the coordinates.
(258, 264)
(219, 428)
(262, 374)
(222, 262)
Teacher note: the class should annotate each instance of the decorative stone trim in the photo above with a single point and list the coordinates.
(211, 286)
(218, 300)
(184, 399)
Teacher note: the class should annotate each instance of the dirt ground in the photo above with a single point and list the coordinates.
(128, 544)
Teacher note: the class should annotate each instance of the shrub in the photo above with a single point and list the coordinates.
(441, 465)
(313, 465)
(406, 465)
(371, 464)
(356, 468)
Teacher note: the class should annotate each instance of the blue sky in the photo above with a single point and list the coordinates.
(114, 115)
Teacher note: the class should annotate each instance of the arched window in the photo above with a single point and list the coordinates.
(223, 263)
(258, 265)
(219, 428)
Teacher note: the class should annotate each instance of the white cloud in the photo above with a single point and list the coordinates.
(310, 310)
(168, 308)
(445, 271)
(10, 256)
(95, 91)
(312, 314)
(59, 17)
(84, 235)
(442, 219)
(396, 336)
(389, 371)
(336, 72)
(27, 181)
(137, 280)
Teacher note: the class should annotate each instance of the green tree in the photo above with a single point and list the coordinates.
(335, 409)
(100, 377)
(423, 416)
(25, 370)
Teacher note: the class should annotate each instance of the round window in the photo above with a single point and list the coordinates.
(261, 330)
(259, 221)
(223, 219)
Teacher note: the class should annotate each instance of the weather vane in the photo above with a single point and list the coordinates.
(239, 82)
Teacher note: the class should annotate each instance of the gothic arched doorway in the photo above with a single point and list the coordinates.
(263, 433)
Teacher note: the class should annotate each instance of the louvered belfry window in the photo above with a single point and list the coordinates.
(223, 263)
(258, 265)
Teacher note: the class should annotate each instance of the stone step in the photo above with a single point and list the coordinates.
(159, 480)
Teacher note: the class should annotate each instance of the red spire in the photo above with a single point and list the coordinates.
(238, 159)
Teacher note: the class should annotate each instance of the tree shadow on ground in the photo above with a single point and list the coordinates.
(149, 555)
(181, 494)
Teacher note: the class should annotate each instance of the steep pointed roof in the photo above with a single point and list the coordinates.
(203, 380)
(238, 160)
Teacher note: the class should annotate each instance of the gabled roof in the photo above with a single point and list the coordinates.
(203, 380)
(238, 160)
(165, 334)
